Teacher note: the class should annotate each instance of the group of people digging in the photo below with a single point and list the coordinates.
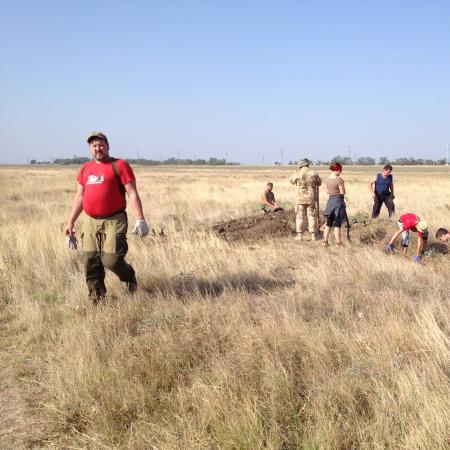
(105, 182)
(308, 181)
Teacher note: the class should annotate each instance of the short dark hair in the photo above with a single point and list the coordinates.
(270, 184)
(387, 167)
(441, 232)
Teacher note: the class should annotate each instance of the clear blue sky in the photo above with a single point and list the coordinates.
(202, 78)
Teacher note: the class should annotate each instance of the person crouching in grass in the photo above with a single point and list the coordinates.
(268, 202)
(411, 222)
(442, 235)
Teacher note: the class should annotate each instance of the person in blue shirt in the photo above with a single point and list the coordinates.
(382, 189)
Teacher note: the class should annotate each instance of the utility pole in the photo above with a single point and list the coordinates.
(263, 159)
(226, 155)
(349, 154)
(447, 156)
(281, 155)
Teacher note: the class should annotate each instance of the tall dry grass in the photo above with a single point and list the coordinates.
(276, 345)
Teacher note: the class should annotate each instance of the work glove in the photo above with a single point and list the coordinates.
(141, 228)
(72, 242)
(416, 259)
(390, 248)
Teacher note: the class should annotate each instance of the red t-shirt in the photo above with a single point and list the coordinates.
(409, 221)
(102, 195)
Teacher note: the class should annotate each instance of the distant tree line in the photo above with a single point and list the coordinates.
(74, 160)
(368, 161)
(183, 162)
(344, 160)
(148, 162)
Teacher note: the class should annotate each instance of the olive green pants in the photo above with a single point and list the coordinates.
(105, 245)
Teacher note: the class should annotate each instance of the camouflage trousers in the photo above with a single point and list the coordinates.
(306, 217)
(105, 245)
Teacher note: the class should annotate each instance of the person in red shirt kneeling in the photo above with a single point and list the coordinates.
(102, 185)
(411, 222)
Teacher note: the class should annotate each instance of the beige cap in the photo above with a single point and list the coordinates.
(421, 225)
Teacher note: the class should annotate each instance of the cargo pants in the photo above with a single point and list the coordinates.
(105, 245)
(306, 217)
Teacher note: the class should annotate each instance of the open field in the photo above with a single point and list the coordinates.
(273, 344)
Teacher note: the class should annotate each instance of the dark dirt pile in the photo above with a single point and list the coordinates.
(272, 225)
(279, 224)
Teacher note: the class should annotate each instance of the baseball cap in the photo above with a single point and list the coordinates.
(421, 225)
(304, 162)
(97, 135)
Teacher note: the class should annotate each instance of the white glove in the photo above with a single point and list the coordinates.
(141, 228)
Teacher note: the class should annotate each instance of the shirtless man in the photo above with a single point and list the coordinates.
(268, 202)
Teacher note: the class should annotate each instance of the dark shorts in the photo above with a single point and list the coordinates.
(335, 211)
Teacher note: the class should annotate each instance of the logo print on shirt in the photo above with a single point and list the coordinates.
(93, 179)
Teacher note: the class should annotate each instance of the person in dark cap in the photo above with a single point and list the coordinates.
(307, 199)
(103, 185)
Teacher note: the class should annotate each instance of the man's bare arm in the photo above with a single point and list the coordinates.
(372, 186)
(396, 235)
(420, 246)
(77, 208)
(391, 188)
(135, 200)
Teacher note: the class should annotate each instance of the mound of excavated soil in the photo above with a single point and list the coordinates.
(253, 228)
(272, 225)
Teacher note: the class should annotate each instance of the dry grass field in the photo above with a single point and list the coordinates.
(275, 344)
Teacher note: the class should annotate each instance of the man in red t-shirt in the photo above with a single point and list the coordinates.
(411, 222)
(102, 184)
